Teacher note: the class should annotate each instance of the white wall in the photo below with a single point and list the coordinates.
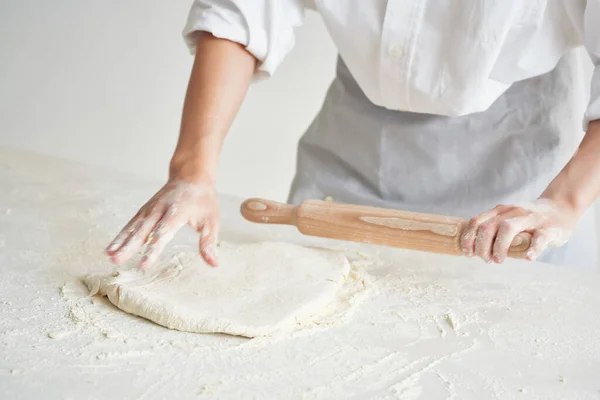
(102, 81)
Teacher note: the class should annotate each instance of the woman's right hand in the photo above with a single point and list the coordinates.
(218, 84)
(176, 204)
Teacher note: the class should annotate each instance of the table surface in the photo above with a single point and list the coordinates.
(427, 327)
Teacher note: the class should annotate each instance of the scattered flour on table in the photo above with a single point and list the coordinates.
(440, 303)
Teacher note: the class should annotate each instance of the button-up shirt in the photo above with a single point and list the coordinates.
(453, 57)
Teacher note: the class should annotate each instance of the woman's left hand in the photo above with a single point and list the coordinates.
(490, 234)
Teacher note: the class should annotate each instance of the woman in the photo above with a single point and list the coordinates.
(450, 108)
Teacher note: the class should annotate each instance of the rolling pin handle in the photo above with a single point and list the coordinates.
(268, 212)
(520, 245)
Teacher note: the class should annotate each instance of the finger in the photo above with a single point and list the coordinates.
(162, 234)
(539, 242)
(136, 240)
(132, 226)
(508, 229)
(469, 236)
(208, 241)
(486, 235)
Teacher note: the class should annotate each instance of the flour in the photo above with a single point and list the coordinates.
(59, 335)
(408, 386)
(452, 320)
(526, 324)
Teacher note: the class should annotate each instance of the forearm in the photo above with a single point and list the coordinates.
(220, 78)
(578, 185)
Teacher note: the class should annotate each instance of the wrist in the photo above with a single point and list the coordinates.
(191, 169)
(566, 200)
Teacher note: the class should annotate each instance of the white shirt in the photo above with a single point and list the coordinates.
(452, 57)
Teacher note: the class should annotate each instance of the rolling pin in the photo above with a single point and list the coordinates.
(396, 228)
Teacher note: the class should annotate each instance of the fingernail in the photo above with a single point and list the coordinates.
(111, 247)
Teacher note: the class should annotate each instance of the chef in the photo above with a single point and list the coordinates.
(459, 107)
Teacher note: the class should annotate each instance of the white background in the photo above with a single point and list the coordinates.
(103, 81)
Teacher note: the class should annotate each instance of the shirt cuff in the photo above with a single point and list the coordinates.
(593, 110)
(229, 25)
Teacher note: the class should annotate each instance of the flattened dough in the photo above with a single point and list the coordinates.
(257, 290)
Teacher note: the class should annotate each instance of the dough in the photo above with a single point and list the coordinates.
(257, 290)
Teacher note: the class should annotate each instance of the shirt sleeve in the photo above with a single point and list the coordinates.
(592, 44)
(264, 27)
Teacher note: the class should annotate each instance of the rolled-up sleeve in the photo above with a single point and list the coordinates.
(264, 27)
(592, 44)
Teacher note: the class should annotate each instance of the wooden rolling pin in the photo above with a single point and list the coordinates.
(403, 229)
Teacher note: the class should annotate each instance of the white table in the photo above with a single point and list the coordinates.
(432, 327)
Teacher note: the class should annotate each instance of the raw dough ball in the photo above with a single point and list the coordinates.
(257, 290)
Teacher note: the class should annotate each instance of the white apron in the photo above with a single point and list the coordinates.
(361, 153)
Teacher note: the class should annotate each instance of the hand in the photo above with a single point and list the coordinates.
(176, 204)
(490, 234)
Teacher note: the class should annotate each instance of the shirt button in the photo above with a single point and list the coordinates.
(396, 52)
